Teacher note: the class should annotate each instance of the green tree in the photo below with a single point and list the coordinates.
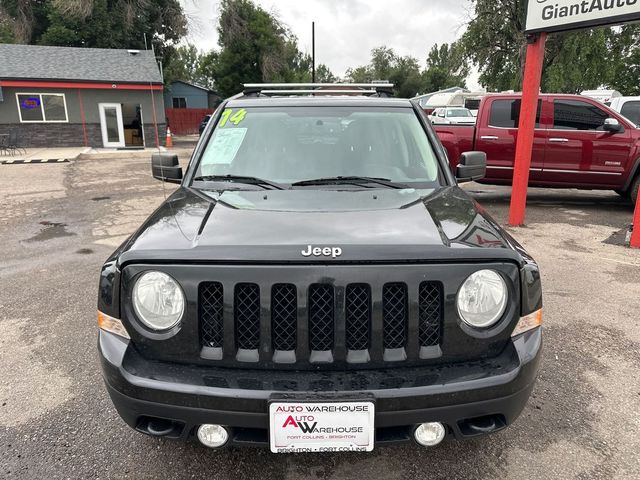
(22, 20)
(574, 61)
(446, 67)
(324, 74)
(184, 63)
(626, 73)
(362, 74)
(494, 42)
(206, 69)
(406, 77)
(255, 47)
(301, 71)
(403, 72)
(94, 23)
(383, 62)
(6, 31)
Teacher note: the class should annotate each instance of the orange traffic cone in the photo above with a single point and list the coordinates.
(169, 142)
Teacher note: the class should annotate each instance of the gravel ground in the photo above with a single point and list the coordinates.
(60, 222)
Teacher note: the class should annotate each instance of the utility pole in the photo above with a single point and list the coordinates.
(313, 52)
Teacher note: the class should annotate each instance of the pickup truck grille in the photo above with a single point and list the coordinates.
(334, 326)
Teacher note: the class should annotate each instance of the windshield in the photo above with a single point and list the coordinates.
(459, 112)
(293, 144)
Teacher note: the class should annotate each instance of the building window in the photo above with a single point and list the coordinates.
(42, 107)
(179, 102)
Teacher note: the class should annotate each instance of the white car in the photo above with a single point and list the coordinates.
(452, 115)
(629, 107)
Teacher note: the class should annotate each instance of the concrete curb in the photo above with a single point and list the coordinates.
(132, 154)
(35, 160)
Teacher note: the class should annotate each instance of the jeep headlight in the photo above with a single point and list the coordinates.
(482, 299)
(158, 300)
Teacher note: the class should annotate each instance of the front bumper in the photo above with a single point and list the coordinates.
(187, 396)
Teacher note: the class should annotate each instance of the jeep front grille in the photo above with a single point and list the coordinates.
(284, 317)
(247, 316)
(358, 316)
(321, 314)
(321, 323)
(394, 314)
(430, 313)
(211, 314)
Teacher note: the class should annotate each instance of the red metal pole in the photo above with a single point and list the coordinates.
(635, 235)
(524, 145)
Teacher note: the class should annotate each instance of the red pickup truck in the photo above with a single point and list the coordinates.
(578, 143)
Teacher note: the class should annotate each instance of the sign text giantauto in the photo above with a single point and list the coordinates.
(558, 15)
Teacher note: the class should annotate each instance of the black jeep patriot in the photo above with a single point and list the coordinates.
(319, 282)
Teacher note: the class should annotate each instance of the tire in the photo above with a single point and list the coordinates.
(635, 186)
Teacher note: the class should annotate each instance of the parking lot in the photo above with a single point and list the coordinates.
(58, 223)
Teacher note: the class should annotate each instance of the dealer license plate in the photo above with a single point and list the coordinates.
(321, 427)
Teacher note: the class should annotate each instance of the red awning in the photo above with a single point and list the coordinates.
(82, 85)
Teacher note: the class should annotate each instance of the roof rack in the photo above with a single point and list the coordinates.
(380, 89)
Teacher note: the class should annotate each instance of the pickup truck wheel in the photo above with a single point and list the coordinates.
(634, 189)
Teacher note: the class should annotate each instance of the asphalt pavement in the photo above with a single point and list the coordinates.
(59, 222)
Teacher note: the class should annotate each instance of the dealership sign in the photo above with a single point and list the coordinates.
(559, 15)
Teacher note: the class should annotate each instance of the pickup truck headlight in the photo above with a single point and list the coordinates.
(158, 300)
(482, 298)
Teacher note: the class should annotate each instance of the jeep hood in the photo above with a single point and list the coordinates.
(276, 225)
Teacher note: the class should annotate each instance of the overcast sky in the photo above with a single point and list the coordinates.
(347, 30)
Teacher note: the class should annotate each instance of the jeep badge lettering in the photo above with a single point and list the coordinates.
(333, 252)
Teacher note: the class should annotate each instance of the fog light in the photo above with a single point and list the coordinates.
(213, 436)
(429, 434)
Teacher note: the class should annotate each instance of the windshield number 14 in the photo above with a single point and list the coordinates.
(235, 118)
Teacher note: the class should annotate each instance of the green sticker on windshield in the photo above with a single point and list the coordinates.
(235, 117)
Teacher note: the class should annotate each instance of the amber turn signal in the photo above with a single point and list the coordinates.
(528, 322)
(110, 324)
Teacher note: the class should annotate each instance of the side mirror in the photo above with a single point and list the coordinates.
(165, 167)
(472, 166)
(612, 125)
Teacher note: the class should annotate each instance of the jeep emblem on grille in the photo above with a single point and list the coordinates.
(333, 252)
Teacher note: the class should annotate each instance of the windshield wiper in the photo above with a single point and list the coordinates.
(351, 179)
(240, 179)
